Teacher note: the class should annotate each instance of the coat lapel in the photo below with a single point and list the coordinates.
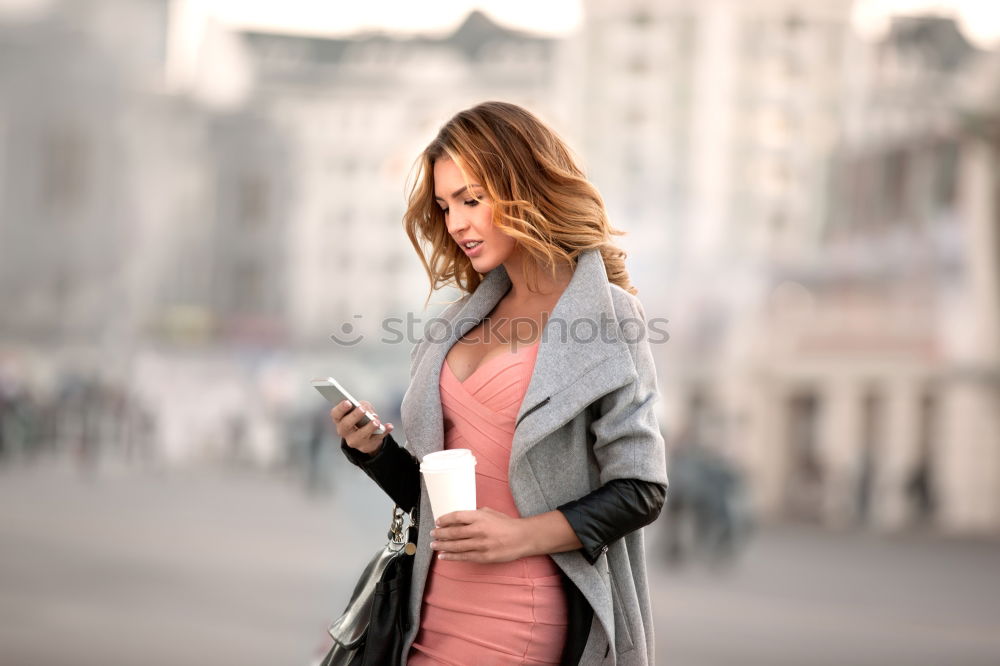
(421, 407)
(580, 358)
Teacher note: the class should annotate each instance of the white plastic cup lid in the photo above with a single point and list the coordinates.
(442, 461)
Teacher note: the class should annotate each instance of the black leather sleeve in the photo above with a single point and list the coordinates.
(392, 468)
(610, 512)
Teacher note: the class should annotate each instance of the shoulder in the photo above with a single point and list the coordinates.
(634, 329)
(631, 316)
(627, 306)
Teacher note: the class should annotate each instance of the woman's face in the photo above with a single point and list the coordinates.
(469, 217)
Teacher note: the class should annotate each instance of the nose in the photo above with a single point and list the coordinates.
(455, 223)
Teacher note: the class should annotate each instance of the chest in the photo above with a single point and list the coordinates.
(504, 331)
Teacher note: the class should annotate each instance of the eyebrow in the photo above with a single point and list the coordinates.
(458, 191)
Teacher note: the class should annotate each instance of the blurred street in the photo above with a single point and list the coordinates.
(232, 566)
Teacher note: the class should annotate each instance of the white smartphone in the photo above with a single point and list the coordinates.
(335, 393)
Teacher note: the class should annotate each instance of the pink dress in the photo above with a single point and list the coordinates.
(490, 614)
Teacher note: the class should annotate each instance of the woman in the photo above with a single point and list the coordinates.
(552, 387)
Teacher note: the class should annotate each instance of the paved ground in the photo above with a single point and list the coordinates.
(234, 567)
(804, 596)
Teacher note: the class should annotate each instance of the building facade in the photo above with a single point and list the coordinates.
(357, 112)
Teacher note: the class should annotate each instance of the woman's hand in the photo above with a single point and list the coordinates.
(483, 535)
(364, 439)
(486, 535)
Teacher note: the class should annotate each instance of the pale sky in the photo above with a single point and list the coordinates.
(548, 16)
(979, 18)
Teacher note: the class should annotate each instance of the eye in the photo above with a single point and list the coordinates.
(472, 202)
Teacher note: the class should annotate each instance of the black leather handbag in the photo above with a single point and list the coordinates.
(371, 629)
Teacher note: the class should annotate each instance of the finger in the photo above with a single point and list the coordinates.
(368, 407)
(346, 426)
(352, 417)
(370, 445)
(471, 556)
(367, 431)
(451, 533)
(356, 433)
(340, 409)
(460, 546)
(456, 518)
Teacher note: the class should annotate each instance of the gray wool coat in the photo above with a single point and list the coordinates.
(587, 417)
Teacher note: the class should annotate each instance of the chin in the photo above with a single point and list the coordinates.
(481, 266)
(484, 264)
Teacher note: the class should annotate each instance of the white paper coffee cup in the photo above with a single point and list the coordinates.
(451, 480)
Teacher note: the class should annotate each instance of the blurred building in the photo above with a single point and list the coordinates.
(180, 201)
(884, 378)
(816, 216)
(706, 125)
(128, 207)
(80, 120)
(860, 384)
(128, 217)
(813, 214)
(357, 111)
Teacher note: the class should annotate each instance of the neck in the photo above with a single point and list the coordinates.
(546, 285)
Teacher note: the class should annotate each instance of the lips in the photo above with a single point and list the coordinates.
(472, 251)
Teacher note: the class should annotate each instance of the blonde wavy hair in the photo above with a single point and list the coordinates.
(538, 195)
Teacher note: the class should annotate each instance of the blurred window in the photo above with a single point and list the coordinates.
(896, 172)
(792, 64)
(751, 38)
(346, 219)
(779, 218)
(59, 289)
(642, 18)
(698, 414)
(346, 260)
(834, 35)
(803, 490)
(872, 429)
(794, 25)
(945, 172)
(920, 484)
(634, 116)
(638, 64)
(685, 32)
(248, 286)
(343, 310)
(253, 197)
(632, 160)
(781, 175)
(393, 264)
(64, 168)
